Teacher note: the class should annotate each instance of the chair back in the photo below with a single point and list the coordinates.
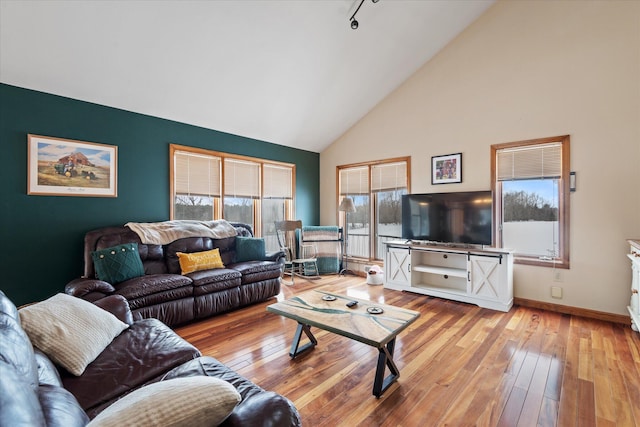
(287, 234)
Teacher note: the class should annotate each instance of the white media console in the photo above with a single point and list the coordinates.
(478, 276)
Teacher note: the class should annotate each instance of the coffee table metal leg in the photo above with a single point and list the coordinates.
(385, 358)
(295, 349)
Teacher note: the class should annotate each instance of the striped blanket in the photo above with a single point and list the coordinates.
(165, 232)
(326, 240)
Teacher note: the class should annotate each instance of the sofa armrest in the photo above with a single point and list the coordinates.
(118, 306)
(276, 256)
(89, 289)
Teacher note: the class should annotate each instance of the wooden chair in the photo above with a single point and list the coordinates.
(299, 258)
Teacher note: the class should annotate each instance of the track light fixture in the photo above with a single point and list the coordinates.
(354, 22)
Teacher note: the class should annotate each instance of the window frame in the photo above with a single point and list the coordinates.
(563, 257)
(373, 200)
(218, 204)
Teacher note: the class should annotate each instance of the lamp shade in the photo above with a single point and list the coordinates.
(346, 205)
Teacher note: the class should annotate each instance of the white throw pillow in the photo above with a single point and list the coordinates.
(188, 401)
(70, 330)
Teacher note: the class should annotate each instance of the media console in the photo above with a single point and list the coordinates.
(478, 276)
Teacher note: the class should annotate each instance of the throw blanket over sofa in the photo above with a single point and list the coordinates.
(328, 244)
(160, 288)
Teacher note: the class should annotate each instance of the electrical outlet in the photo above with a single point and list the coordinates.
(557, 276)
(556, 292)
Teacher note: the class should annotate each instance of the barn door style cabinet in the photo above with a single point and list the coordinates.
(478, 276)
(634, 305)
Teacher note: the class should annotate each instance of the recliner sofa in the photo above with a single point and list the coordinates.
(36, 392)
(166, 294)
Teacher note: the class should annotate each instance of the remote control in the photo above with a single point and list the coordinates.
(352, 304)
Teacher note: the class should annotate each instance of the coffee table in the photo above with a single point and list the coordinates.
(367, 322)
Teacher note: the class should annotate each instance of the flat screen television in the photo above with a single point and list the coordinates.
(460, 218)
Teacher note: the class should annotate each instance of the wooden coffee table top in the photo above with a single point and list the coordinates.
(356, 323)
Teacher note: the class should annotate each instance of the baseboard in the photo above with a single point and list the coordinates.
(575, 311)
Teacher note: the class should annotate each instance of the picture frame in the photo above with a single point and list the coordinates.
(65, 167)
(446, 169)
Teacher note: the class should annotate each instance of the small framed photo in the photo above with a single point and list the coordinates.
(446, 169)
(63, 167)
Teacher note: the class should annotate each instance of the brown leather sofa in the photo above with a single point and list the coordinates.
(165, 294)
(35, 392)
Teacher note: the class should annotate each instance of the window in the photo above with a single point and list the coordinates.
(531, 199)
(376, 189)
(208, 185)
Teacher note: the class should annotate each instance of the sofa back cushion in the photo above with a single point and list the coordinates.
(152, 256)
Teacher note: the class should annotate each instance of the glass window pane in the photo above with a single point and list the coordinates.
(389, 218)
(238, 209)
(358, 224)
(530, 217)
(272, 210)
(193, 207)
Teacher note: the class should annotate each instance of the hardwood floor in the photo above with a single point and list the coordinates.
(460, 365)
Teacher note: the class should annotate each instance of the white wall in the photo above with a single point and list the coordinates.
(523, 70)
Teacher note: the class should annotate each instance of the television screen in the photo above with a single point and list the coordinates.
(464, 217)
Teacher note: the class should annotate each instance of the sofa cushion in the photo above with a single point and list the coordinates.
(249, 249)
(256, 402)
(70, 330)
(143, 352)
(60, 408)
(151, 284)
(215, 280)
(256, 271)
(190, 401)
(118, 263)
(198, 261)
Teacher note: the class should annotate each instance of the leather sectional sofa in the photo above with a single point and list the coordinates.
(162, 292)
(35, 392)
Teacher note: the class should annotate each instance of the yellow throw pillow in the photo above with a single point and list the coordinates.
(196, 261)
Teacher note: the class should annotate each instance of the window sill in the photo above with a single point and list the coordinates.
(557, 263)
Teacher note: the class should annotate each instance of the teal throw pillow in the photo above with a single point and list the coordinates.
(249, 249)
(118, 263)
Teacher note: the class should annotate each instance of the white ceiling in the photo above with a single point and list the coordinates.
(290, 72)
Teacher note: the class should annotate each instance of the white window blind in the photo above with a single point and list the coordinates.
(529, 162)
(389, 176)
(354, 181)
(278, 183)
(196, 174)
(241, 178)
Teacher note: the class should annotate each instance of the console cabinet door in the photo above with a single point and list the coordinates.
(487, 279)
(398, 267)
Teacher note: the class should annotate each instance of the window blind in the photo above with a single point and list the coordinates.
(278, 183)
(539, 161)
(354, 181)
(241, 178)
(196, 174)
(389, 176)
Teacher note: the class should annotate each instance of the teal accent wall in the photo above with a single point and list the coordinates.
(42, 236)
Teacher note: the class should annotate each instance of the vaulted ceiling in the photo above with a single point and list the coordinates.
(290, 72)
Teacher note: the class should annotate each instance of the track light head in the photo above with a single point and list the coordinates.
(354, 23)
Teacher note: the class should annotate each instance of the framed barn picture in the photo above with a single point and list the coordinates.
(63, 167)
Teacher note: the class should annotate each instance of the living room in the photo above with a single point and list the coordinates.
(522, 70)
